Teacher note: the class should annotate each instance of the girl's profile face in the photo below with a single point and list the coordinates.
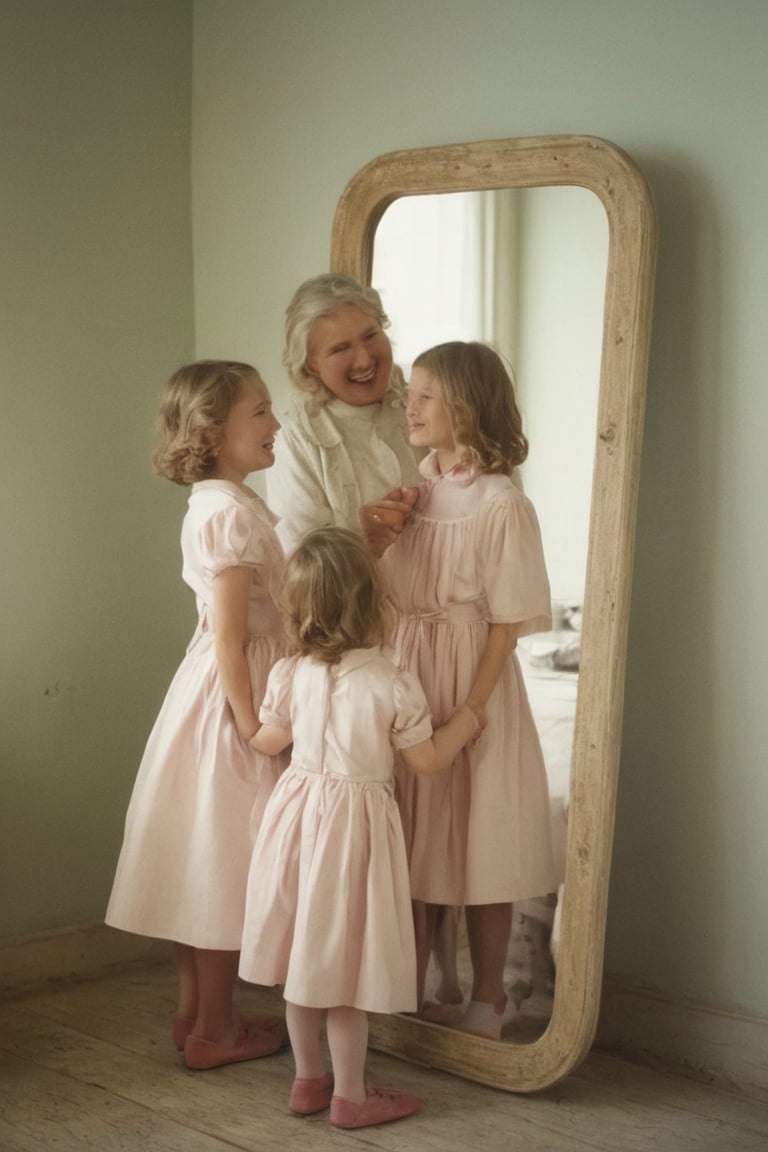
(248, 439)
(351, 353)
(429, 422)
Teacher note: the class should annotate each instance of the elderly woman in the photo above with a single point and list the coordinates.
(345, 438)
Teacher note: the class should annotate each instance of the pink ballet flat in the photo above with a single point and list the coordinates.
(380, 1107)
(251, 1044)
(183, 1025)
(264, 1022)
(309, 1096)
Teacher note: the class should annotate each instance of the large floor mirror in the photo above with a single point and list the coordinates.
(545, 248)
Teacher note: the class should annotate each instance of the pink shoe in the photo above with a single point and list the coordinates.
(309, 1096)
(183, 1025)
(380, 1107)
(251, 1044)
(263, 1022)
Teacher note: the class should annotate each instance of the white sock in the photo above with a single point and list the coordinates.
(482, 1019)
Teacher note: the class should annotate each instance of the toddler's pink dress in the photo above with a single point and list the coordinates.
(472, 555)
(201, 789)
(329, 911)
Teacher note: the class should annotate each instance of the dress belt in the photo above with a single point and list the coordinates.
(466, 612)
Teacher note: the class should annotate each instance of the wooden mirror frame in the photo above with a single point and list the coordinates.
(611, 174)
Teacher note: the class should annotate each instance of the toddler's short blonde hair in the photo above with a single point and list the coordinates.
(333, 597)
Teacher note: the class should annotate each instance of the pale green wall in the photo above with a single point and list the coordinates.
(95, 310)
(293, 96)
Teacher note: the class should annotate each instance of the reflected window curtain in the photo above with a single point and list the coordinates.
(446, 267)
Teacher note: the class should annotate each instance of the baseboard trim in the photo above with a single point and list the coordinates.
(71, 953)
(653, 1027)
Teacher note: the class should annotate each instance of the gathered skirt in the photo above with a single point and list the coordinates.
(196, 805)
(479, 832)
(328, 911)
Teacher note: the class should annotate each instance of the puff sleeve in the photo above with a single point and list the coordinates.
(276, 706)
(511, 557)
(412, 723)
(232, 537)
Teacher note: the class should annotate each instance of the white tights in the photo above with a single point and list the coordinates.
(347, 1031)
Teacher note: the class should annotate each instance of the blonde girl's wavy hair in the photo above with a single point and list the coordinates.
(194, 406)
(333, 598)
(479, 394)
(324, 296)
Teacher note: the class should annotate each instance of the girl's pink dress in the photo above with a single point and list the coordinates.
(201, 789)
(329, 909)
(470, 556)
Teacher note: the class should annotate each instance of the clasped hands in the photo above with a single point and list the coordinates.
(383, 520)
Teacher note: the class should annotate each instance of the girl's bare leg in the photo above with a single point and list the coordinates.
(216, 975)
(348, 1041)
(424, 921)
(446, 954)
(219, 1035)
(186, 972)
(488, 928)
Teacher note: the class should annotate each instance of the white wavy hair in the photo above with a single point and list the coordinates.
(324, 296)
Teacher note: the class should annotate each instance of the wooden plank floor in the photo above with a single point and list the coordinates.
(89, 1065)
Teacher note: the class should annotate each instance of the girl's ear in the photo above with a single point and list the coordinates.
(215, 440)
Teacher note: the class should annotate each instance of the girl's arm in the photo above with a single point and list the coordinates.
(437, 753)
(270, 739)
(230, 614)
(502, 638)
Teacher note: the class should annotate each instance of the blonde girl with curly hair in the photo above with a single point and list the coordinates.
(202, 784)
(467, 572)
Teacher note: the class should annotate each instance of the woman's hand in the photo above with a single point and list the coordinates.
(383, 520)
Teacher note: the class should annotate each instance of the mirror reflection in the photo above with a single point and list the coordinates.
(524, 271)
(613, 443)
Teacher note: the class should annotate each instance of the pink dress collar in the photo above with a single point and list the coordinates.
(462, 474)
